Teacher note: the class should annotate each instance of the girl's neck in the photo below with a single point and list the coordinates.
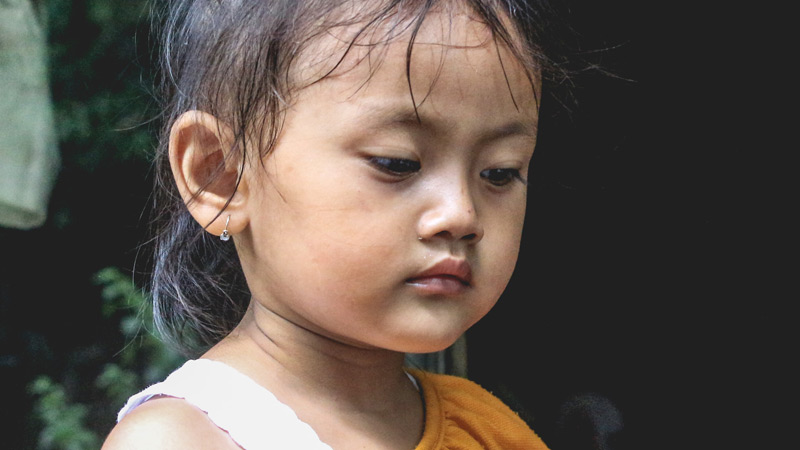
(294, 362)
(352, 397)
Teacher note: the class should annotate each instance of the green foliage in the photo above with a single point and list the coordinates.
(145, 349)
(99, 57)
(67, 425)
(64, 423)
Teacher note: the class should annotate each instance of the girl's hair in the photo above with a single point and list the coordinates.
(234, 59)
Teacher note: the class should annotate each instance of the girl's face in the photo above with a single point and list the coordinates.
(378, 230)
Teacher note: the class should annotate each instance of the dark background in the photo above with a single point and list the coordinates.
(655, 259)
(655, 264)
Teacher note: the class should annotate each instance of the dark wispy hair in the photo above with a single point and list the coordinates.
(234, 59)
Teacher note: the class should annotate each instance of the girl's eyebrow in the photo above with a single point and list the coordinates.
(381, 115)
(392, 116)
(511, 129)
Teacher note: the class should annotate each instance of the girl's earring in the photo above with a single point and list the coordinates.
(225, 236)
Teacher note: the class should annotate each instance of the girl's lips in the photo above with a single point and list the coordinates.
(447, 277)
(439, 285)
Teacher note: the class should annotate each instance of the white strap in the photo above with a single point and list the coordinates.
(251, 415)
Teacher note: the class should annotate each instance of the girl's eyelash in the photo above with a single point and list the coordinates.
(501, 177)
(395, 166)
(402, 167)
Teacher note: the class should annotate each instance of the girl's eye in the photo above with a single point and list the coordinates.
(501, 177)
(395, 166)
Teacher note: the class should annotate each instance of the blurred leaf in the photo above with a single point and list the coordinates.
(143, 361)
(118, 383)
(64, 424)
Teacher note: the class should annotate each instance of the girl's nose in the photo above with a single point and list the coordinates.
(451, 215)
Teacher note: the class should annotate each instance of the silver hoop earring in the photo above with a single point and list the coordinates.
(225, 236)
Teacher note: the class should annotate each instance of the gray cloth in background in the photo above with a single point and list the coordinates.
(29, 158)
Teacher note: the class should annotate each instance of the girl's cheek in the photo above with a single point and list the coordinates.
(356, 231)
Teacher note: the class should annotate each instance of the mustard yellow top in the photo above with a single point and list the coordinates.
(460, 415)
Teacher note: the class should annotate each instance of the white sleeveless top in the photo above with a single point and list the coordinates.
(251, 414)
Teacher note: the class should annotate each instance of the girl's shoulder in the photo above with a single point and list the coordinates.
(231, 409)
(167, 423)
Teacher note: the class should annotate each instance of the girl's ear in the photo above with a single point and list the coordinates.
(207, 172)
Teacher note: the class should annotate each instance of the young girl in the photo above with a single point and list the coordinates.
(341, 182)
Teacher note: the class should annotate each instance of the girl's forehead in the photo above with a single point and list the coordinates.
(452, 64)
(343, 48)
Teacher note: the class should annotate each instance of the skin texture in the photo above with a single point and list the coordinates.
(357, 199)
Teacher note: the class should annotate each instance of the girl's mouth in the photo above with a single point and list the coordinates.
(447, 277)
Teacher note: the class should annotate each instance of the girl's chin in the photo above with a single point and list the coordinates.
(432, 345)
